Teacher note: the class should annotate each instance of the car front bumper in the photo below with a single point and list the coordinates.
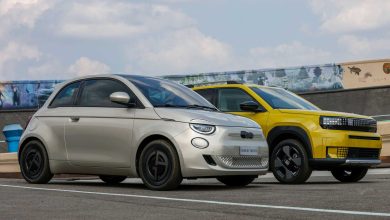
(325, 139)
(222, 157)
(331, 162)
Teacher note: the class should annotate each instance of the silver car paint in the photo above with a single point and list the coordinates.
(106, 140)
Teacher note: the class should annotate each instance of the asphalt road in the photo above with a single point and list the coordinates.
(321, 198)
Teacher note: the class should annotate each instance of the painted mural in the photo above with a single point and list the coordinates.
(16, 95)
(366, 74)
(296, 79)
(25, 94)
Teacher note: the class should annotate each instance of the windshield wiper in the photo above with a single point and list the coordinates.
(187, 106)
(202, 107)
(170, 106)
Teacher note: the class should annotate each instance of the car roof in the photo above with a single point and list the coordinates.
(111, 76)
(237, 85)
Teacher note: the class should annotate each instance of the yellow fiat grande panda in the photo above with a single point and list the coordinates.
(302, 137)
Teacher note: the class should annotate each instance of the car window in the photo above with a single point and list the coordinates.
(229, 100)
(279, 98)
(66, 96)
(209, 94)
(96, 93)
(165, 93)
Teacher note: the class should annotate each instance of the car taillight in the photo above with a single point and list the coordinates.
(28, 121)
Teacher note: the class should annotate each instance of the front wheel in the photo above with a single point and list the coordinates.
(349, 174)
(159, 166)
(112, 179)
(34, 163)
(236, 181)
(290, 163)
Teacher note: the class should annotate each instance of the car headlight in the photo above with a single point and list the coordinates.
(330, 122)
(203, 128)
(346, 123)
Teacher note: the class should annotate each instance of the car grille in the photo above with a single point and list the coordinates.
(342, 152)
(363, 153)
(357, 153)
(251, 162)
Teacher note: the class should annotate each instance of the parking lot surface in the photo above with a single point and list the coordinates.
(321, 197)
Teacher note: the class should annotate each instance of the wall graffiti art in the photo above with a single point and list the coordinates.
(386, 68)
(16, 95)
(366, 73)
(296, 79)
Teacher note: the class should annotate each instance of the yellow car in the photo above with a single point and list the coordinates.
(302, 137)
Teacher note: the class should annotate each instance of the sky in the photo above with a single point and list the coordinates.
(54, 39)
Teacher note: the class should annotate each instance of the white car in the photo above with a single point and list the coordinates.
(119, 126)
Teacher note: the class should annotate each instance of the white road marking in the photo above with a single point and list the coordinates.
(348, 212)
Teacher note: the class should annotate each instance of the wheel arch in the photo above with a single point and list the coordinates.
(150, 138)
(280, 133)
(28, 139)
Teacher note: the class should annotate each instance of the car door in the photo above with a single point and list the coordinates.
(98, 132)
(54, 118)
(229, 100)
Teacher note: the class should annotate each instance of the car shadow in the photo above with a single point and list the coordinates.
(315, 183)
(182, 187)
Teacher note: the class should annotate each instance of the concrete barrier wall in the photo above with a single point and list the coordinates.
(366, 101)
(11, 118)
(384, 130)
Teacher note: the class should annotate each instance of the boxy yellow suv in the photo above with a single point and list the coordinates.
(301, 137)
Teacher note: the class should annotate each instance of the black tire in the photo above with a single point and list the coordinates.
(34, 163)
(290, 163)
(159, 166)
(236, 181)
(112, 179)
(349, 174)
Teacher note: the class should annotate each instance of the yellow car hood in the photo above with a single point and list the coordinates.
(321, 112)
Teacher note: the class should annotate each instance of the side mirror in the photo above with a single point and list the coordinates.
(122, 98)
(250, 106)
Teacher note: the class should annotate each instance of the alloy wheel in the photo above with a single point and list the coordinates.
(158, 166)
(288, 162)
(34, 163)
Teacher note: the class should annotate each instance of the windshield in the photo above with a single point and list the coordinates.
(165, 93)
(279, 98)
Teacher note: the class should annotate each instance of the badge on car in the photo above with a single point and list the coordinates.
(248, 151)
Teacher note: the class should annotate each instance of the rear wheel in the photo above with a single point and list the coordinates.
(290, 163)
(159, 166)
(349, 174)
(34, 163)
(112, 179)
(236, 181)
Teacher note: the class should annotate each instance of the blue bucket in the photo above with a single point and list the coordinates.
(12, 135)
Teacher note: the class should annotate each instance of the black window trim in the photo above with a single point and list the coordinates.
(210, 89)
(253, 99)
(76, 101)
(139, 105)
(74, 96)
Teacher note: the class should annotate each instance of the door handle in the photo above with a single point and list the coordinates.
(74, 119)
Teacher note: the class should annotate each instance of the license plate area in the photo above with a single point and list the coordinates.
(248, 151)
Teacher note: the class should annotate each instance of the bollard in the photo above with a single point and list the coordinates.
(12, 135)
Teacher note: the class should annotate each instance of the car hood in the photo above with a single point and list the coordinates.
(321, 112)
(205, 117)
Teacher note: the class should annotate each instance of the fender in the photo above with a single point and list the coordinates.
(279, 132)
(25, 139)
